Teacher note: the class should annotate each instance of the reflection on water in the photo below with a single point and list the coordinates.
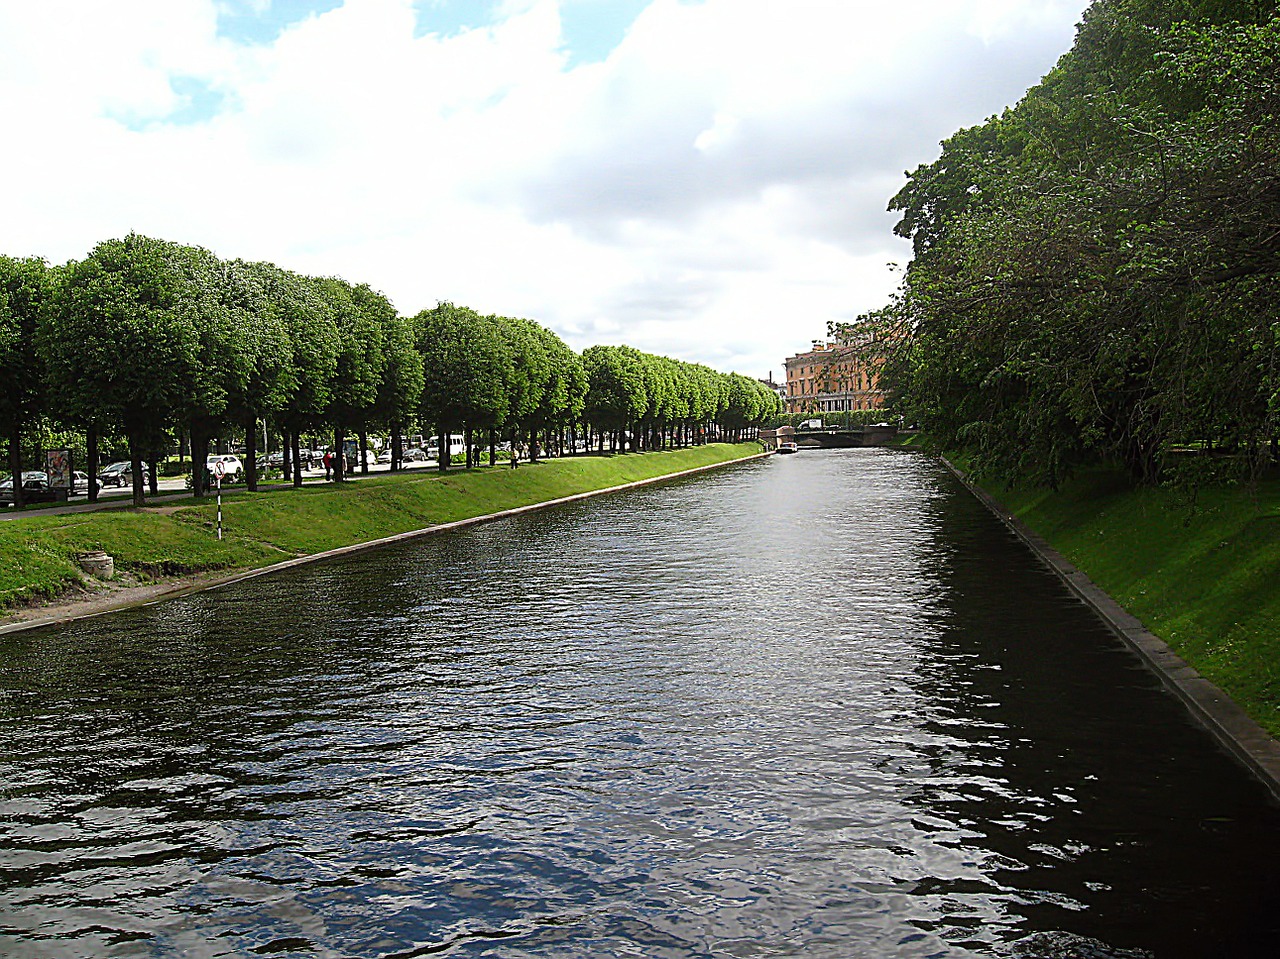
(821, 705)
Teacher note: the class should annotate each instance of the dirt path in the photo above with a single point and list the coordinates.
(103, 597)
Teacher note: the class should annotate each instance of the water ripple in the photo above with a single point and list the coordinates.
(821, 706)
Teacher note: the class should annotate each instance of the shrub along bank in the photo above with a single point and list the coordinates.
(38, 552)
(1200, 574)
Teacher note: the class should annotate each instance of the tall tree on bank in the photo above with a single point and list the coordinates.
(314, 344)
(262, 329)
(213, 307)
(527, 381)
(25, 286)
(616, 396)
(355, 312)
(467, 369)
(400, 389)
(115, 340)
(1095, 270)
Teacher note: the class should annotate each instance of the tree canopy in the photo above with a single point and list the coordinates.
(1095, 270)
(147, 338)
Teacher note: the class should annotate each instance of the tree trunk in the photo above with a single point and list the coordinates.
(251, 454)
(467, 435)
(91, 450)
(294, 442)
(287, 460)
(397, 446)
(339, 455)
(199, 455)
(135, 470)
(364, 450)
(153, 475)
(442, 452)
(15, 464)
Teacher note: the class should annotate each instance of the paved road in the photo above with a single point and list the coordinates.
(171, 489)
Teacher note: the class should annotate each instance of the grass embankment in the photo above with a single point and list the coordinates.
(1204, 578)
(38, 552)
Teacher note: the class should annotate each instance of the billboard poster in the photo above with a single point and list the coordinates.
(58, 466)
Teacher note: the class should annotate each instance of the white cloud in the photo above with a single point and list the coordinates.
(714, 189)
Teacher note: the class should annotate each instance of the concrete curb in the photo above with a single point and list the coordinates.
(1219, 713)
(70, 616)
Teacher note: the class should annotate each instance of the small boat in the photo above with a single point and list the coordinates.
(787, 447)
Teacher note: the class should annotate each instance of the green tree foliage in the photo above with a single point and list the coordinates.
(121, 344)
(259, 329)
(616, 396)
(661, 401)
(400, 390)
(1096, 269)
(25, 285)
(360, 316)
(467, 371)
(528, 378)
(563, 389)
(146, 338)
(314, 343)
(217, 305)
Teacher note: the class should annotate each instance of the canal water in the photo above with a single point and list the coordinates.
(821, 705)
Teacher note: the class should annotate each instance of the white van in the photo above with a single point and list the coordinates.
(457, 444)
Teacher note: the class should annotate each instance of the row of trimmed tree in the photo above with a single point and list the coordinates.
(148, 339)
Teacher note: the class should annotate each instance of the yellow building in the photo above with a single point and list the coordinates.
(834, 377)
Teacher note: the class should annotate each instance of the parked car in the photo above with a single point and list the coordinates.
(415, 455)
(79, 482)
(117, 474)
(233, 469)
(35, 489)
(274, 460)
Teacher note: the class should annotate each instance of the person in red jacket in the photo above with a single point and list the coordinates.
(328, 464)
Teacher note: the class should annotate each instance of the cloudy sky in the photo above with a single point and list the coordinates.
(705, 179)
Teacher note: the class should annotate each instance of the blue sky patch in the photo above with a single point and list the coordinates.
(199, 102)
(448, 18)
(593, 28)
(255, 22)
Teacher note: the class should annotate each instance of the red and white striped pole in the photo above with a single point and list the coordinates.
(219, 468)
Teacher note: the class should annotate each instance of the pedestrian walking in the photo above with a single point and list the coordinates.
(328, 464)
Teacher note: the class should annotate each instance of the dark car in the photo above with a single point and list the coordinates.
(35, 489)
(117, 474)
(120, 474)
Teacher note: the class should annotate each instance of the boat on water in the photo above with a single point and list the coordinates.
(787, 447)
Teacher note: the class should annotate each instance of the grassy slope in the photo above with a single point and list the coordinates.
(1206, 579)
(37, 552)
